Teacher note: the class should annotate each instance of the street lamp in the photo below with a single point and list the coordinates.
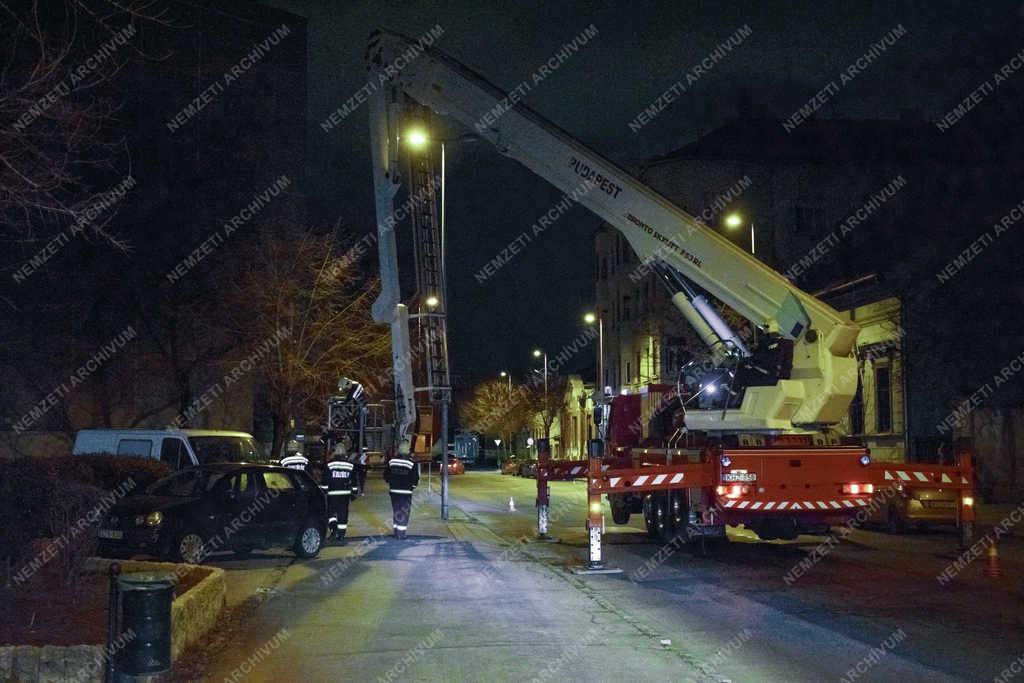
(432, 301)
(537, 353)
(509, 378)
(416, 137)
(590, 319)
(735, 220)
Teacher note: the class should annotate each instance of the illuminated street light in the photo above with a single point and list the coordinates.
(432, 301)
(590, 319)
(537, 353)
(416, 138)
(735, 220)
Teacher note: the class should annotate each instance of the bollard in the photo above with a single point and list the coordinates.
(543, 499)
(595, 516)
(113, 572)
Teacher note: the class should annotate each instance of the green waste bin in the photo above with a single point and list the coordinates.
(145, 630)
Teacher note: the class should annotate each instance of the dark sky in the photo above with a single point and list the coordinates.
(641, 48)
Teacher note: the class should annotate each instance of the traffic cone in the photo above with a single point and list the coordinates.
(992, 567)
(511, 504)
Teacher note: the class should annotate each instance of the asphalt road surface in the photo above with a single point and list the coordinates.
(479, 598)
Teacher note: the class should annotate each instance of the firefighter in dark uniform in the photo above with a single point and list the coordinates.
(339, 480)
(402, 476)
(362, 464)
(295, 461)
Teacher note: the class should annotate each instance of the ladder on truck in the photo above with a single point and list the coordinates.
(429, 335)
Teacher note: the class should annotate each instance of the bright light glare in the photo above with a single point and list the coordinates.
(711, 388)
(590, 318)
(595, 508)
(537, 353)
(432, 301)
(416, 138)
(968, 501)
(504, 374)
(733, 220)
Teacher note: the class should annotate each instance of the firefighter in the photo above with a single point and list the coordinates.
(295, 460)
(402, 476)
(362, 465)
(339, 480)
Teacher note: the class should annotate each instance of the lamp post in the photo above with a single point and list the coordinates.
(735, 220)
(537, 353)
(590, 319)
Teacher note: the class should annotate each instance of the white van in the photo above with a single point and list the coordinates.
(179, 448)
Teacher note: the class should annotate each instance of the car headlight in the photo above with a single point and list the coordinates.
(154, 518)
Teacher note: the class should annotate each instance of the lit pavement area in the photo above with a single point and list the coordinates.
(478, 599)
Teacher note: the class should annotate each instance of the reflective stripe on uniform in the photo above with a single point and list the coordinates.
(339, 465)
(343, 526)
(294, 460)
(400, 528)
(339, 493)
(400, 462)
(323, 486)
(332, 520)
(401, 491)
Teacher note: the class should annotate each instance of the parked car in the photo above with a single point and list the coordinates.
(227, 506)
(528, 469)
(916, 507)
(179, 448)
(455, 464)
(510, 467)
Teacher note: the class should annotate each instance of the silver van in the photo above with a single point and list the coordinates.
(179, 448)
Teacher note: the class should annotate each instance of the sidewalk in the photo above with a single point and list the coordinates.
(452, 602)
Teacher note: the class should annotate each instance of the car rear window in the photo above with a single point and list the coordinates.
(278, 481)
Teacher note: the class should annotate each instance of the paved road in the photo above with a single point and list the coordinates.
(478, 599)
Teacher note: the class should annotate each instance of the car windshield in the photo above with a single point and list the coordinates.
(182, 484)
(214, 449)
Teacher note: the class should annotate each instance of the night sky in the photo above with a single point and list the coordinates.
(641, 49)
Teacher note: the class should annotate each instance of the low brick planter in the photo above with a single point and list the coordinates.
(193, 614)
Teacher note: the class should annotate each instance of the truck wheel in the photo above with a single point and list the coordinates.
(663, 518)
(649, 524)
(620, 511)
(895, 523)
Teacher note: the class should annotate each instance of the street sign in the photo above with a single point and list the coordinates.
(497, 442)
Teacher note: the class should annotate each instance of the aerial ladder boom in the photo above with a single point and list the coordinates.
(823, 376)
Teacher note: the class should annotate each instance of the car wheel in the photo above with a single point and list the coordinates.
(309, 541)
(895, 523)
(188, 547)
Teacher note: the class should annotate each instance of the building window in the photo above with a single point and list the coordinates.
(629, 372)
(857, 412)
(883, 399)
(639, 368)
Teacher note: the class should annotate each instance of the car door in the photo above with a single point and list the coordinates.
(230, 501)
(283, 509)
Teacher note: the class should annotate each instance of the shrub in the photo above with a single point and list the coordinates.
(45, 497)
(112, 471)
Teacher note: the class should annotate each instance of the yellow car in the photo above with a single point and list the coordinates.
(915, 507)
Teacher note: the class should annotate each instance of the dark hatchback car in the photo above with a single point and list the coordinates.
(226, 506)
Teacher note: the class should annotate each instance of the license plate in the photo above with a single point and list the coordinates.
(739, 476)
(111, 533)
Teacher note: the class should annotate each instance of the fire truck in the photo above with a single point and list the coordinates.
(763, 451)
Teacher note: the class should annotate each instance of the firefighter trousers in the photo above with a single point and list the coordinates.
(337, 512)
(401, 505)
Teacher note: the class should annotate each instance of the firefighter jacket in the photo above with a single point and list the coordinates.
(295, 461)
(402, 475)
(337, 479)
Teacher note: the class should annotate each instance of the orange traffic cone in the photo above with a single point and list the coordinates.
(992, 567)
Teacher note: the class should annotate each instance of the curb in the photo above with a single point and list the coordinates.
(193, 615)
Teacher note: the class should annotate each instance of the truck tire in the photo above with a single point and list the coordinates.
(652, 530)
(666, 530)
(620, 509)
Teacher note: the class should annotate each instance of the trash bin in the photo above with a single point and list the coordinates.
(145, 623)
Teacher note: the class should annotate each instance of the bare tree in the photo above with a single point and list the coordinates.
(302, 289)
(495, 408)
